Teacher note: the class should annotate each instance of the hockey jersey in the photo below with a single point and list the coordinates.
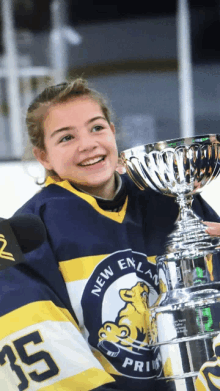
(209, 374)
(76, 315)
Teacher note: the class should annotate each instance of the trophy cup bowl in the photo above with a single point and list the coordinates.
(179, 168)
(184, 318)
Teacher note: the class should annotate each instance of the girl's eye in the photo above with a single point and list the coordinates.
(66, 138)
(97, 128)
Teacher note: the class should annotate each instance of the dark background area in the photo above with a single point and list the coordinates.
(129, 53)
(34, 15)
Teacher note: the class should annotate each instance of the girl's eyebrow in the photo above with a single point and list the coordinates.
(66, 128)
(95, 118)
(61, 130)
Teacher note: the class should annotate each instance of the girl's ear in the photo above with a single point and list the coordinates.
(42, 158)
(112, 126)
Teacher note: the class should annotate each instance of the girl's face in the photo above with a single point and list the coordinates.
(80, 146)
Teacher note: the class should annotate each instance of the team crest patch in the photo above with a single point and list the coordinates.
(116, 307)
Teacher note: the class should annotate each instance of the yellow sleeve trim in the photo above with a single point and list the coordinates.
(32, 314)
(116, 216)
(84, 381)
(79, 268)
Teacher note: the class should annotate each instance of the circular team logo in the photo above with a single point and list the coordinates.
(116, 307)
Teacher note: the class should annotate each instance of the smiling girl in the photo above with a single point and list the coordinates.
(79, 145)
(76, 315)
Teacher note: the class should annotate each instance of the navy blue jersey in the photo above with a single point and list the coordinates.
(76, 315)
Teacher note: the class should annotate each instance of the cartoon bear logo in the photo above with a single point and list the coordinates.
(133, 326)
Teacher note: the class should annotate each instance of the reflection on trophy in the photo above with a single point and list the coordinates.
(185, 317)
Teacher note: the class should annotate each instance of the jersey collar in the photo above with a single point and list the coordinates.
(116, 216)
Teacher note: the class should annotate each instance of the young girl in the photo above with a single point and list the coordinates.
(76, 315)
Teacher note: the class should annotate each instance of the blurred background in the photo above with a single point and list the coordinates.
(157, 62)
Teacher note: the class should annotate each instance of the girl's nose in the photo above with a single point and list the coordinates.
(87, 142)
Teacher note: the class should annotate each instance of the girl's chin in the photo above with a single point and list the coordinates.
(93, 185)
(101, 188)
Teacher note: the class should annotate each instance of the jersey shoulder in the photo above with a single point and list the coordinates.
(34, 204)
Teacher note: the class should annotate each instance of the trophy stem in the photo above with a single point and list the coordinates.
(185, 209)
(189, 237)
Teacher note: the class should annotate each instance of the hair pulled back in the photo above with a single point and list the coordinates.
(56, 94)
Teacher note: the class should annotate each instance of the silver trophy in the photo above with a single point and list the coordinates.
(185, 317)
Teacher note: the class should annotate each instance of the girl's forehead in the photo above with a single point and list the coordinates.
(78, 110)
(85, 101)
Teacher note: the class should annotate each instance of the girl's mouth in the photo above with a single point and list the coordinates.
(92, 162)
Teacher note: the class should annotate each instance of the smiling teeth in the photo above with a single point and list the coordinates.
(92, 161)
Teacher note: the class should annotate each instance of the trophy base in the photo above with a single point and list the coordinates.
(186, 343)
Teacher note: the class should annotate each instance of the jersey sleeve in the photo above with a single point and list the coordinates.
(209, 374)
(205, 210)
(41, 346)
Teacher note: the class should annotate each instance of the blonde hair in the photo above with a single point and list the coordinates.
(53, 95)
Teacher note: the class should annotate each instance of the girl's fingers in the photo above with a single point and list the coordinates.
(212, 228)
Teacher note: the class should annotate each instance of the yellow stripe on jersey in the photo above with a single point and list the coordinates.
(105, 363)
(79, 268)
(84, 381)
(199, 386)
(152, 259)
(116, 216)
(31, 314)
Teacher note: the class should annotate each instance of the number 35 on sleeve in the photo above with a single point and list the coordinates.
(48, 355)
(18, 352)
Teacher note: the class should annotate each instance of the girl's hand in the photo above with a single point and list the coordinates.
(213, 229)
